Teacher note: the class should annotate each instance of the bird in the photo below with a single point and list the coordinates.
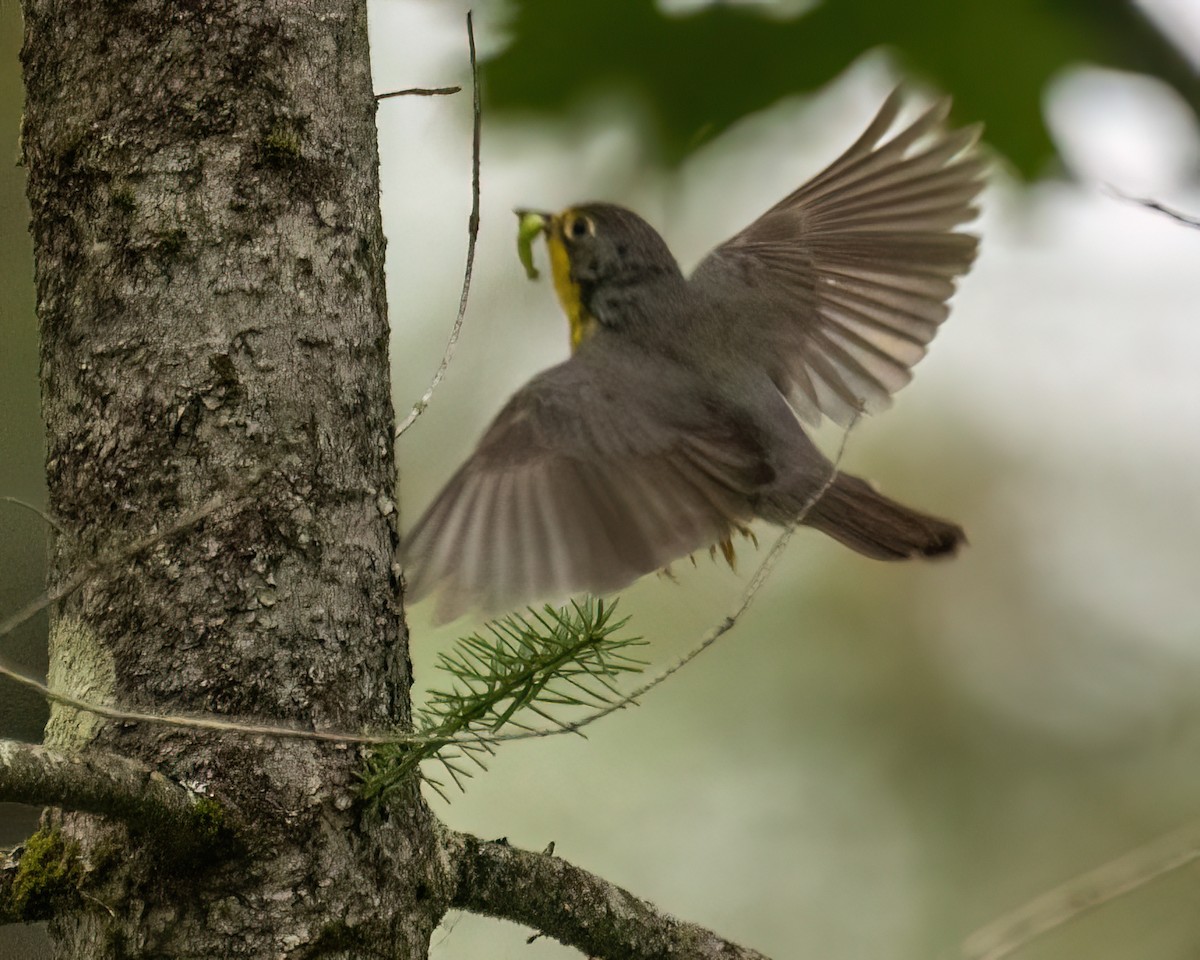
(680, 416)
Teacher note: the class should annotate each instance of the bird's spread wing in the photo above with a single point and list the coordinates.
(845, 281)
(580, 486)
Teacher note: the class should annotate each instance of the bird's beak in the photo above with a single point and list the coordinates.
(531, 223)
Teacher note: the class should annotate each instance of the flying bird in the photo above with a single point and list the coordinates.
(680, 416)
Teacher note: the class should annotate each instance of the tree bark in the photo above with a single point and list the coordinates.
(209, 267)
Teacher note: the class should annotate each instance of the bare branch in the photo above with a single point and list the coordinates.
(1010, 933)
(419, 92)
(99, 783)
(573, 906)
(472, 236)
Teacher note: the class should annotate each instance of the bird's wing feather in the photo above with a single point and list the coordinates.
(578, 486)
(845, 281)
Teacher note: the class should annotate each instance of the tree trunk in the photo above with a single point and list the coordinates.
(210, 284)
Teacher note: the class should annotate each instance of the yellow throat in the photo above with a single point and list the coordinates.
(583, 324)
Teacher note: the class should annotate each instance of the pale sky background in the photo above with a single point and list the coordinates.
(1061, 401)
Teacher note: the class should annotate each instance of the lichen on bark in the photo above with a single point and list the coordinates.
(80, 666)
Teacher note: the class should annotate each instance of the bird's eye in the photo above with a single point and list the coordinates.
(581, 227)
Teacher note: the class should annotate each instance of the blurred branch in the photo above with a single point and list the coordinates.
(1154, 205)
(472, 236)
(573, 906)
(1082, 894)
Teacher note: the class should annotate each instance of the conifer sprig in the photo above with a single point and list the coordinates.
(552, 660)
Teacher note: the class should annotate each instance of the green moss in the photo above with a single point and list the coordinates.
(47, 876)
(280, 148)
(210, 822)
(207, 842)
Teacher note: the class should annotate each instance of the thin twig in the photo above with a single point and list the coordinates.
(751, 590)
(194, 722)
(419, 92)
(472, 236)
(1010, 933)
(130, 550)
(46, 518)
(761, 574)
(1153, 205)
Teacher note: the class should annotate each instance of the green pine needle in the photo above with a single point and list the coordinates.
(552, 660)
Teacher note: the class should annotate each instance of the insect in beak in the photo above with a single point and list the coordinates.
(531, 223)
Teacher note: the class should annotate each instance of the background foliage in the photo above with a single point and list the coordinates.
(695, 73)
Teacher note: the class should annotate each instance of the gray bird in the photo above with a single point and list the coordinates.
(677, 420)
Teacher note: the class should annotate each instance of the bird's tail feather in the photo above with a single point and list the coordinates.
(854, 513)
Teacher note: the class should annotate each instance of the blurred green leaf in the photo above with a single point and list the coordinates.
(696, 74)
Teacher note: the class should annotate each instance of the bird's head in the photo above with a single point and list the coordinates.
(600, 255)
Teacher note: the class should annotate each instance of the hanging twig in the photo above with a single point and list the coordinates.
(472, 235)
(194, 722)
(46, 518)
